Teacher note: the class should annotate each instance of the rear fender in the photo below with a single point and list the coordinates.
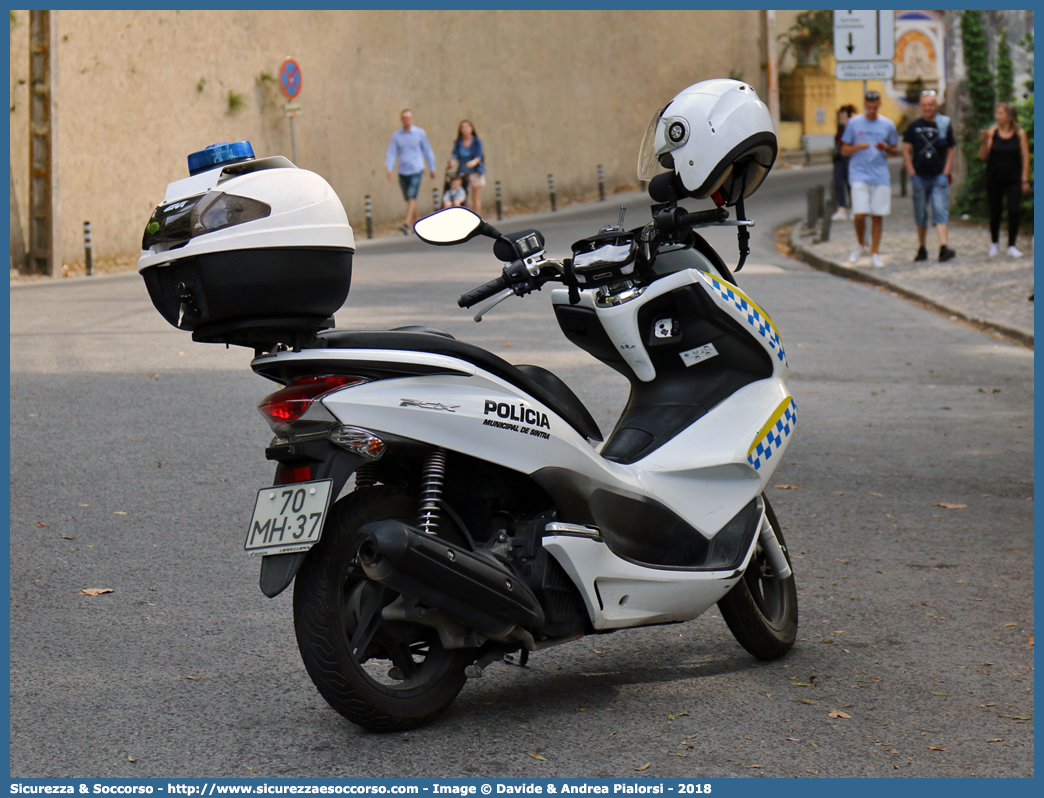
(327, 461)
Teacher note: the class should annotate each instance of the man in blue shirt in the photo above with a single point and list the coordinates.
(867, 142)
(411, 146)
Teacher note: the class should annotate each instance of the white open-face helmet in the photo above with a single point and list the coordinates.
(716, 136)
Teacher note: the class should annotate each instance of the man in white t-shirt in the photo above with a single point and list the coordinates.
(867, 142)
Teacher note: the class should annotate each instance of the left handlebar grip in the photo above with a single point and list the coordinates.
(476, 295)
(703, 217)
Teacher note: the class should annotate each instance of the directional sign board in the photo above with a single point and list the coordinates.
(864, 35)
(865, 70)
(290, 79)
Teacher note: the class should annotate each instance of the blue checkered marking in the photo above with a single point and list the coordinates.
(755, 318)
(773, 440)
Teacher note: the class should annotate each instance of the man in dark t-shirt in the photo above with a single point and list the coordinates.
(928, 149)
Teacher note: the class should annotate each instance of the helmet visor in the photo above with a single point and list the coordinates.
(648, 165)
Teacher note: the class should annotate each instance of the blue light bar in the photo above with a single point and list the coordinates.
(220, 154)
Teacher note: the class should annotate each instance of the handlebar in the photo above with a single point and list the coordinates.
(476, 295)
(704, 217)
(530, 272)
(670, 220)
(520, 276)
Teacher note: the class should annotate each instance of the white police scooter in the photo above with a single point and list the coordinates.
(484, 514)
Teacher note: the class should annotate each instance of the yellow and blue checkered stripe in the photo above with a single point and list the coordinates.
(770, 438)
(755, 316)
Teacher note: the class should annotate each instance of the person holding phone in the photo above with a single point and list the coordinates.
(867, 142)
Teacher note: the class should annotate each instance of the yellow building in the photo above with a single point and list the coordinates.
(812, 94)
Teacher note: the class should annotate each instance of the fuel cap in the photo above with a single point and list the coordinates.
(219, 154)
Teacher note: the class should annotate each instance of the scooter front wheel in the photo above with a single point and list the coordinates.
(382, 675)
(761, 610)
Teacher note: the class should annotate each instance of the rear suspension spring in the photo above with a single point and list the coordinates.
(432, 477)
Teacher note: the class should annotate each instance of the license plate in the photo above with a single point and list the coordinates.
(288, 518)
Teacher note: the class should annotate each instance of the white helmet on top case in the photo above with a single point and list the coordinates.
(717, 138)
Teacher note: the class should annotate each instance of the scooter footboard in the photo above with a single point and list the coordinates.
(620, 593)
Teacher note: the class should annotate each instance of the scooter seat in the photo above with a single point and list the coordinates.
(541, 384)
(422, 329)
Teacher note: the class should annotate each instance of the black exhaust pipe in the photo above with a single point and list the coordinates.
(471, 587)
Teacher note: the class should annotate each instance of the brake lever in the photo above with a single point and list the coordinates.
(534, 267)
(492, 302)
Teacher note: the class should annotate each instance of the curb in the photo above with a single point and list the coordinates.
(835, 268)
(569, 209)
(94, 278)
(636, 196)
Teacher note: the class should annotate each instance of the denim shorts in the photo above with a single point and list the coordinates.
(410, 185)
(932, 190)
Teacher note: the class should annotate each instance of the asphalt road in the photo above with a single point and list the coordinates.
(136, 454)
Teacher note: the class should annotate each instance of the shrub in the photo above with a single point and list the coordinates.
(1026, 120)
(1005, 71)
(971, 198)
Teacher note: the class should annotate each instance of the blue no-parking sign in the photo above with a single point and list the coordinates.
(290, 78)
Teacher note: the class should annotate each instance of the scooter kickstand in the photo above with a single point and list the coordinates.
(474, 671)
(523, 658)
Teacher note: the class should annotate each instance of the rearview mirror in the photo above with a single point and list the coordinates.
(449, 226)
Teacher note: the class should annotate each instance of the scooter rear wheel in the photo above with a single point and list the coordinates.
(400, 676)
(762, 610)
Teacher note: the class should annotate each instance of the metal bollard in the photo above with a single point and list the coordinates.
(820, 201)
(87, 248)
(601, 184)
(435, 199)
(369, 217)
(828, 212)
(500, 210)
(810, 199)
(551, 190)
(902, 181)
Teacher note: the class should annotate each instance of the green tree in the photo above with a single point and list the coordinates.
(1027, 43)
(811, 33)
(1005, 71)
(971, 198)
(1026, 121)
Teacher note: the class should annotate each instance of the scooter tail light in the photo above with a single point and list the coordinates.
(360, 441)
(289, 404)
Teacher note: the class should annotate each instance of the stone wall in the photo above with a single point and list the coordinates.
(548, 92)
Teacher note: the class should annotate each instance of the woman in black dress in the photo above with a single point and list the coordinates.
(1005, 149)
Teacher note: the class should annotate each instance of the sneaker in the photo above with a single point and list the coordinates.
(945, 254)
(993, 250)
(1014, 253)
(922, 254)
(404, 229)
(876, 262)
(859, 252)
(840, 215)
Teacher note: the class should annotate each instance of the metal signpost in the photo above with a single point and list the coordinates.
(290, 85)
(864, 45)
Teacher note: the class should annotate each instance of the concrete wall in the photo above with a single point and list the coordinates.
(548, 91)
